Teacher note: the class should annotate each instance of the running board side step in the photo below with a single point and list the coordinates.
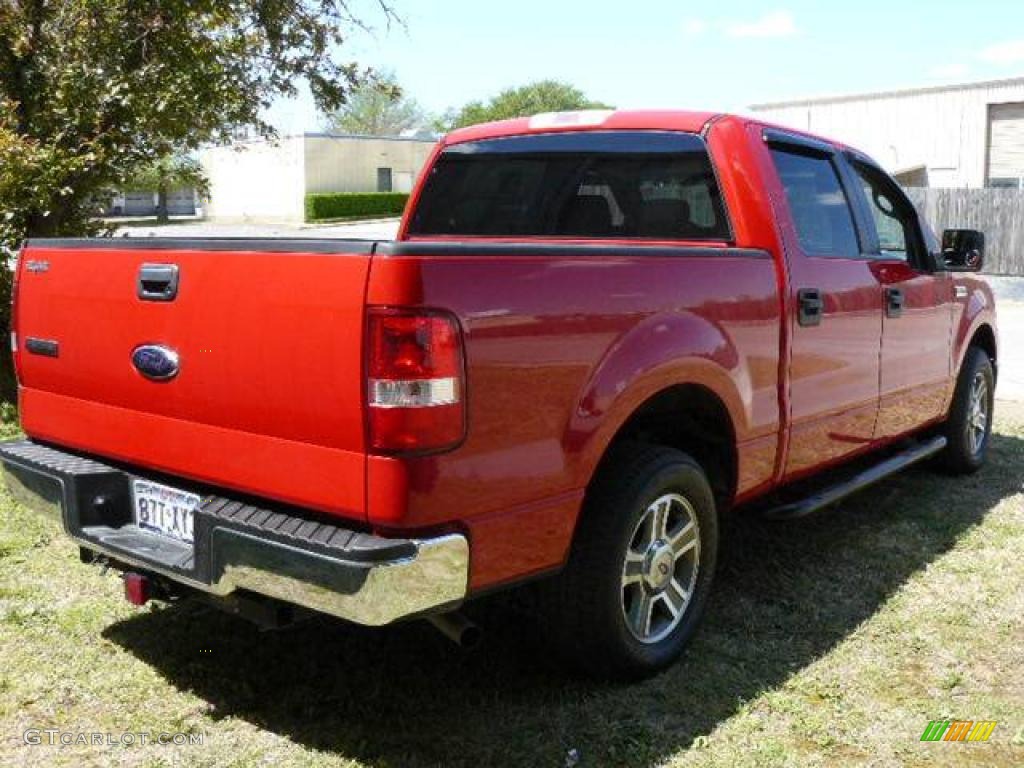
(833, 493)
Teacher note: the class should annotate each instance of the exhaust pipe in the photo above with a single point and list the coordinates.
(457, 628)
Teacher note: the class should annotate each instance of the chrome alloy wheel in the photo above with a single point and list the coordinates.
(978, 414)
(660, 568)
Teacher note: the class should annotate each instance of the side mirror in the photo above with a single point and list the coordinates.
(963, 250)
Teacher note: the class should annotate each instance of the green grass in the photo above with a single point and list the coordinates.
(829, 641)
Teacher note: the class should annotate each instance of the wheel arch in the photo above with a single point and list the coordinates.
(976, 325)
(689, 417)
(675, 379)
(984, 337)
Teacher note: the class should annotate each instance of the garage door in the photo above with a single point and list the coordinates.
(1006, 145)
(181, 202)
(138, 203)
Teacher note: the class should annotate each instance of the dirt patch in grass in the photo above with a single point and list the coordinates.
(832, 640)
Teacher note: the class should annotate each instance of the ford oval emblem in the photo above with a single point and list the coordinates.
(155, 362)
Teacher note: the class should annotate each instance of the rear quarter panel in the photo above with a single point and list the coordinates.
(560, 351)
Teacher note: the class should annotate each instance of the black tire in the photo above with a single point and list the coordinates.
(583, 610)
(967, 444)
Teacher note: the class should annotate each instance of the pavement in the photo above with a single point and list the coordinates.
(1009, 291)
(1010, 319)
(380, 229)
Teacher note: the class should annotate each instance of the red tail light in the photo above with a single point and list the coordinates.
(415, 381)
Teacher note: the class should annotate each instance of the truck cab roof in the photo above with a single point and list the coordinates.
(583, 120)
(688, 121)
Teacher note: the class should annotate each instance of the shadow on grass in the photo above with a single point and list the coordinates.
(786, 594)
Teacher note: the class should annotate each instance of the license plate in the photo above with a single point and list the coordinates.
(164, 510)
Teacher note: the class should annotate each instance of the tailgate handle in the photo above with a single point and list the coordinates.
(158, 282)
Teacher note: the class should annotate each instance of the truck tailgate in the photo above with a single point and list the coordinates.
(267, 397)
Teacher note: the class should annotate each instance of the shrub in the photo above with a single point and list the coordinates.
(338, 205)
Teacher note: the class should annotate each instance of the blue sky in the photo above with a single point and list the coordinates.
(657, 53)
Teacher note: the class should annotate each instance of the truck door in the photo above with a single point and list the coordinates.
(836, 304)
(917, 319)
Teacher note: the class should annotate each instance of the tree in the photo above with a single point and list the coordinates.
(167, 173)
(93, 90)
(524, 101)
(34, 178)
(378, 108)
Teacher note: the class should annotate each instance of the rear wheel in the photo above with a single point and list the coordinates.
(969, 427)
(641, 567)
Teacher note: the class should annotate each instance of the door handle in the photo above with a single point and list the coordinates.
(158, 282)
(893, 302)
(811, 306)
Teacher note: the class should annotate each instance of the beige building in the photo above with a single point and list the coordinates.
(260, 179)
(969, 135)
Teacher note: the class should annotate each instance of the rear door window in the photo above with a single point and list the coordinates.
(600, 184)
(817, 203)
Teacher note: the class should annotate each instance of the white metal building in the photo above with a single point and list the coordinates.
(260, 179)
(969, 135)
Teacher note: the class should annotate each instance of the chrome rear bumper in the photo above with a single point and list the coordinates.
(278, 552)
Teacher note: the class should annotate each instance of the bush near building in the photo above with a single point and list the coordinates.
(343, 205)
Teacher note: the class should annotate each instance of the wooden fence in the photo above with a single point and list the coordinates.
(999, 213)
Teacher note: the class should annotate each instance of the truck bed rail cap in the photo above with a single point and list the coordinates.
(256, 244)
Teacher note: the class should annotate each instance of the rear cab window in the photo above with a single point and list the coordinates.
(594, 184)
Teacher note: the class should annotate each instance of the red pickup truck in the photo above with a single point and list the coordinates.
(595, 334)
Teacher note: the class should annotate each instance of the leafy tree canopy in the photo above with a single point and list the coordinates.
(524, 101)
(92, 90)
(378, 109)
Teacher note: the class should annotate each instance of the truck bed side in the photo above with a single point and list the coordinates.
(562, 345)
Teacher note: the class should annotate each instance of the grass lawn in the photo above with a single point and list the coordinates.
(829, 641)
